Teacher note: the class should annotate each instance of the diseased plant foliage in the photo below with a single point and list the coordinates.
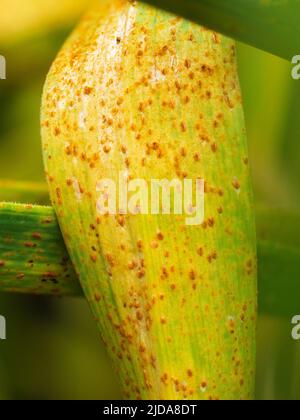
(175, 304)
(167, 299)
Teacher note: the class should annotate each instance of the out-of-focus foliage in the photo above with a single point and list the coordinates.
(267, 88)
(20, 20)
(31, 33)
(271, 110)
(24, 192)
(52, 345)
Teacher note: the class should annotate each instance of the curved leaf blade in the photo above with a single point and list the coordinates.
(271, 25)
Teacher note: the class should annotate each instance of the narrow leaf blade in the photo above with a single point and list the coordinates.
(33, 258)
(269, 25)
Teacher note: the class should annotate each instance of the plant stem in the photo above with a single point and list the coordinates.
(278, 256)
(269, 25)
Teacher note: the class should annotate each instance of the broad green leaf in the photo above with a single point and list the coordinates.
(194, 284)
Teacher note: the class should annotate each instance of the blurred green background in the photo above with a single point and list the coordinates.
(52, 346)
